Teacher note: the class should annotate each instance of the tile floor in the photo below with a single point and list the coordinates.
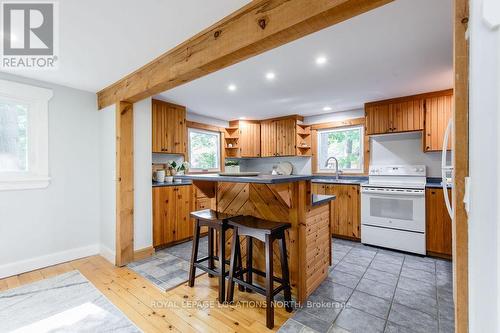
(169, 267)
(376, 290)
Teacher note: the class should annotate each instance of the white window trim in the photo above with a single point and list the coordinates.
(37, 100)
(322, 169)
(190, 129)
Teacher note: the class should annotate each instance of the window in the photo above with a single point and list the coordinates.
(345, 144)
(23, 136)
(13, 136)
(204, 150)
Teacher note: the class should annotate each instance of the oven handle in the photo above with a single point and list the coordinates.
(420, 193)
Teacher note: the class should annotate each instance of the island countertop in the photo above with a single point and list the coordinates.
(260, 179)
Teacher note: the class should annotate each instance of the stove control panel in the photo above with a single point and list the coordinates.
(397, 170)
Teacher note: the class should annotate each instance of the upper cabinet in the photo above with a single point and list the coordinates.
(394, 116)
(378, 120)
(249, 139)
(168, 127)
(437, 115)
(268, 138)
(278, 137)
(242, 139)
(285, 137)
(429, 113)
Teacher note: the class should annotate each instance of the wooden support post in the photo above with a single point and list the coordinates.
(124, 183)
(461, 163)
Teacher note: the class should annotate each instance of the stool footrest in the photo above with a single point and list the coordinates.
(257, 288)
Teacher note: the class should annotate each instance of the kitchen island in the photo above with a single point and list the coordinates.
(280, 199)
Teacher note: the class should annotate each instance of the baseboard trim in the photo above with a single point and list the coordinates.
(108, 254)
(144, 253)
(28, 265)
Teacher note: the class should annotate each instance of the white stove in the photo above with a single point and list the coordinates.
(393, 208)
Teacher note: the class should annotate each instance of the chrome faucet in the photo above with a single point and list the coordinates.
(336, 166)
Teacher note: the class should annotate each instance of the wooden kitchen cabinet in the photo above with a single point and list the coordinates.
(394, 116)
(249, 139)
(407, 116)
(345, 209)
(286, 137)
(437, 115)
(268, 138)
(171, 208)
(438, 224)
(378, 120)
(244, 138)
(168, 128)
(278, 137)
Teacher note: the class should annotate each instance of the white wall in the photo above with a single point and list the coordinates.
(143, 201)
(107, 162)
(404, 148)
(484, 147)
(43, 227)
(301, 165)
(334, 116)
(206, 120)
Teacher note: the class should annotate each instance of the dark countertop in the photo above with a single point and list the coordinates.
(319, 199)
(183, 182)
(433, 182)
(261, 179)
(342, 180)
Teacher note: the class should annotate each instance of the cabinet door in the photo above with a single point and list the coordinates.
(377, 119)
(175, 129)
(407, 116)
(169, 128)
(268, 138)
(285, 137)
(164, 215)
(157, 128)
(180, 130)
(345, 210)
(184, 206)
(438, 223)
(437, 114)
(249, 139)
(317, 188)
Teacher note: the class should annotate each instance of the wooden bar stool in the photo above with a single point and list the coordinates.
(266, 232)
(216, 222)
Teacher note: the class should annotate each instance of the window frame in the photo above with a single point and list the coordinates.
(37, 99)
(321, 169)
(219, 151)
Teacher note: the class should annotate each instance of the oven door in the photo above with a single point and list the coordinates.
(396, 208)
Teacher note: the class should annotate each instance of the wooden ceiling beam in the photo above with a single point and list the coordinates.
(255, 28)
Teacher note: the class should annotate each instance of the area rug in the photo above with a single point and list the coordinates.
(169, 268)
(64, 303)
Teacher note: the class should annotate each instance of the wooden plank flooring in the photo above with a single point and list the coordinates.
(182, 309)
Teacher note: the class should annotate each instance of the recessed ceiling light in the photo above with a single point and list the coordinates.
(321, 60)
(327, 108)
(231, 87)
(270, 76)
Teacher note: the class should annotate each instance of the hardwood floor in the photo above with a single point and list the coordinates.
(155, 311)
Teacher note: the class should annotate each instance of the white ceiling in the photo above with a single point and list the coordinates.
(101, 41)
(400, 49)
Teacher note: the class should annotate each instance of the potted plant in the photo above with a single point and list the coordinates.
(232, 166)
(183, 168)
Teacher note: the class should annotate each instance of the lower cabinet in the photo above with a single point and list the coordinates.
(438, 224)
(345, 209)
(171, 208)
